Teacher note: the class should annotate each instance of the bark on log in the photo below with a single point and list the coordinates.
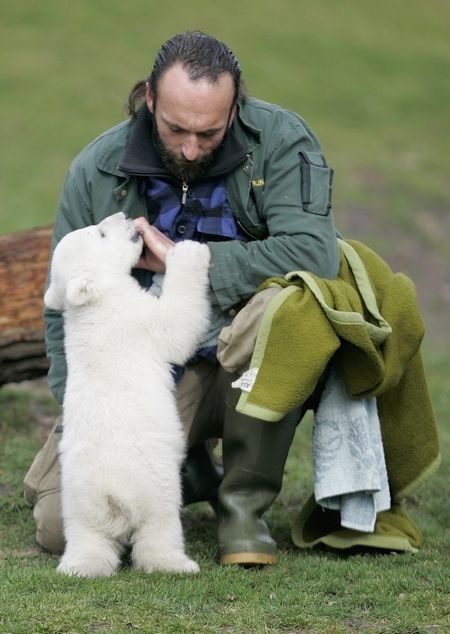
(23, 270)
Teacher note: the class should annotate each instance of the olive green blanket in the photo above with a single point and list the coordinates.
(367, 320)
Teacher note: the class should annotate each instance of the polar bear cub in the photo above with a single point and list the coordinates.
(123, 444)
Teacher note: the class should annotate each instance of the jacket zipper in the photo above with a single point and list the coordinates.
(184, 190)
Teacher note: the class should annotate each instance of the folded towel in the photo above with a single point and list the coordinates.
(349, 466)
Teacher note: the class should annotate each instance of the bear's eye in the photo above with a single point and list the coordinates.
(102, 233)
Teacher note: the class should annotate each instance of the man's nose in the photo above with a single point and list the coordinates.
(191, 149)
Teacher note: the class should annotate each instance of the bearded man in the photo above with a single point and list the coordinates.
(198, 159)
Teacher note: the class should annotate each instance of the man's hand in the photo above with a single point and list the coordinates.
(156, 246)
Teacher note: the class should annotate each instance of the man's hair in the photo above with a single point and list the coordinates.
(203, 57)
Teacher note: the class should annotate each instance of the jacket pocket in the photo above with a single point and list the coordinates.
(316, 183)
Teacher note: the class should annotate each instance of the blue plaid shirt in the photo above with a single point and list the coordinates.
(205, 215)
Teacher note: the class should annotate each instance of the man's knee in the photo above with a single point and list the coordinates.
(42, 491)
(49, 526)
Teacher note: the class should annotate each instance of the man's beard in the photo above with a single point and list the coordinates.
(185, 171)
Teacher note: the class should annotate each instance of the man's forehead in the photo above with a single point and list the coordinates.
(178, 93)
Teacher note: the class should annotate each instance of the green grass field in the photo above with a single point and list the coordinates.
(372, 80)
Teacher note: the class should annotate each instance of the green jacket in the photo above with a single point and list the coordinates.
(280, 194)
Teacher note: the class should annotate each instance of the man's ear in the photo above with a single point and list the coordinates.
(54, 297)
(149, 98)
(81, 291)
(232, 115)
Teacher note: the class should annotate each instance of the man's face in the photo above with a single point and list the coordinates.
(191, 120)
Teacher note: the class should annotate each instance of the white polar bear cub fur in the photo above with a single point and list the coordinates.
(123, 443)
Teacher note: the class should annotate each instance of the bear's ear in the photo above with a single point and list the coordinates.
(81, 291)
(54, 297)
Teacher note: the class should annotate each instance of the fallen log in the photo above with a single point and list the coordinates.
(23, 270)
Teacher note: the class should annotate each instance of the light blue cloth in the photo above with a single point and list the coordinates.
(349, 466)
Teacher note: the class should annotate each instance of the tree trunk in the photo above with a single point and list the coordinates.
(23, 270)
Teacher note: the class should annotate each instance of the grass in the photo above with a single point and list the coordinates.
(308, 591)
(371, 80)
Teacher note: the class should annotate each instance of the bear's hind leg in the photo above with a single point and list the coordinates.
(89, 553)
(159, 545)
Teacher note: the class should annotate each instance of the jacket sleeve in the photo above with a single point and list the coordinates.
(295, 211)
(73, 213)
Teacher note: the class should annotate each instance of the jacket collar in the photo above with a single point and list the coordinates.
(251, 133)
(142, 159)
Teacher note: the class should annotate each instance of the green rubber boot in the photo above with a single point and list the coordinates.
(254, 455)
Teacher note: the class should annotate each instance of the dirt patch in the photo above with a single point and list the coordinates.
(25, 553)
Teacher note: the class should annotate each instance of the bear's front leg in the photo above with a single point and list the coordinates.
(184, 302)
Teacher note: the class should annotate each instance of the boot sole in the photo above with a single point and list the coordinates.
(248, 559)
